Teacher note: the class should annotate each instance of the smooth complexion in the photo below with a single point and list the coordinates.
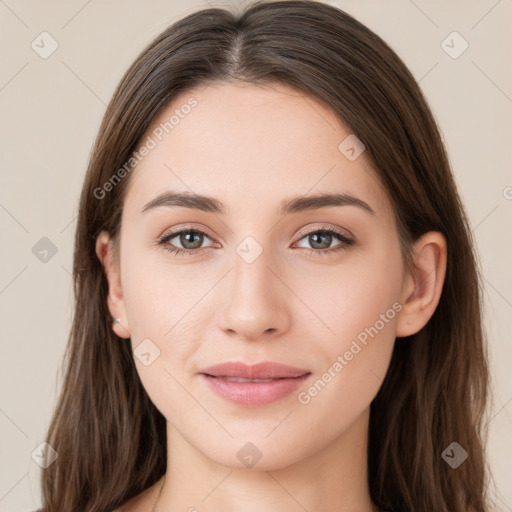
(298, 303)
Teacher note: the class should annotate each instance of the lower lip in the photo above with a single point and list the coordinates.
(254, 393)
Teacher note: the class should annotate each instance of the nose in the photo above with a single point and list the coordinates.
(255, 302)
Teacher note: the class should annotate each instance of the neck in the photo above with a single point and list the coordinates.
(335, 477)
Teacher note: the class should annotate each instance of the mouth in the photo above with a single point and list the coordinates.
(255, 385)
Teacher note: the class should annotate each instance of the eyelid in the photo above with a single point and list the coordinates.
(337, 231)
(186, 227)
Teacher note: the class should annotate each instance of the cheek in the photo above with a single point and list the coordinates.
(359, 304)
(156, 293)
(168, 307)
(351, 296)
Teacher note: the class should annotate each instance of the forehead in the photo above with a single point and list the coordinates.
(250, 144)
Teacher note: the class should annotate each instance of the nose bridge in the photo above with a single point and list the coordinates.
(252, 279)
(255, 303)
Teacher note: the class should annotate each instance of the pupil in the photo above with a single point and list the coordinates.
(313, 240)
(185, 238)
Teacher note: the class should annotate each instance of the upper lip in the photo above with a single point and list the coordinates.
(265, 370)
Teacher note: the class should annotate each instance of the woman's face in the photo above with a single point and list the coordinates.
(258, 281)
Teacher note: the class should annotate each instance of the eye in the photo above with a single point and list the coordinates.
(191, 240)
(321, 240)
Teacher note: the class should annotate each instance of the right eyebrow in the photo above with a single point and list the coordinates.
(186, 200)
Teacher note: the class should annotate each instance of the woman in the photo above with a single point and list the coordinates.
(277, 300)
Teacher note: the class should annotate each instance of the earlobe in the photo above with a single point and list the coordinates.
(422, 288)
(115, 300)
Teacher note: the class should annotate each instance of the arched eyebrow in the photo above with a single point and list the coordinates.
(171, 199)
(303, 203)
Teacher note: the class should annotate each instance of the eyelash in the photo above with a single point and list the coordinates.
(346, 242)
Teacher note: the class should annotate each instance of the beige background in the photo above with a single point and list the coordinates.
(51, 110)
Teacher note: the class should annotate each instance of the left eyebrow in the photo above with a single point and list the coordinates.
(300, 204)
(294, 205)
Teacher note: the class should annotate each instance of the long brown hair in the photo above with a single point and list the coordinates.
(110, 438)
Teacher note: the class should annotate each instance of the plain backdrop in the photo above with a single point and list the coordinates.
(50, 110)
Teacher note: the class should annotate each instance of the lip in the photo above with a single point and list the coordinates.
(280, 381)
(265, 370)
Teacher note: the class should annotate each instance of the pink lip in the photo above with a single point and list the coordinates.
(285, 380)
(265, 370)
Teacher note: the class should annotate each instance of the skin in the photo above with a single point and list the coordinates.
(252, 147)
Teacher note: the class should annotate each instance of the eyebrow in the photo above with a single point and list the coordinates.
(171, 199)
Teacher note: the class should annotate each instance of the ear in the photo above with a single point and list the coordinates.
(115, 301)
(422, 288)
